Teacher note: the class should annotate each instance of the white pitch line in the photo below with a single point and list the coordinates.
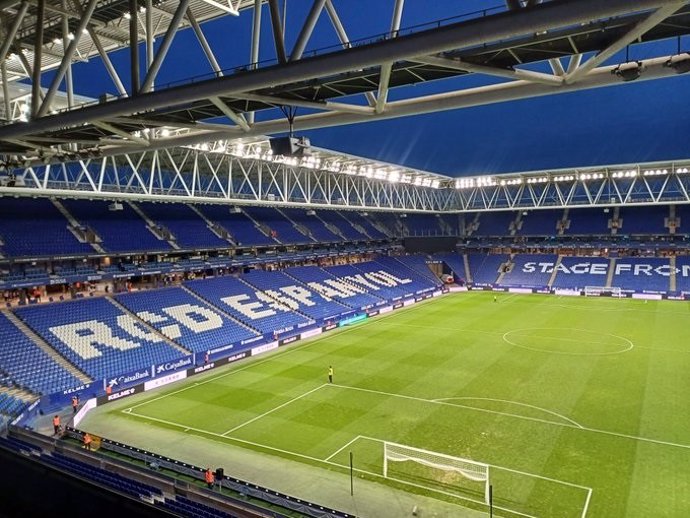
(589, 497)
(253, 362)
(342, 448)
(514, 403)
(256, 418)
(508, 414)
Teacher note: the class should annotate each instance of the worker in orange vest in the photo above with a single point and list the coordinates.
(75, 404)
(87, 441)
(209, 477)
(108, 390)
(56, 424)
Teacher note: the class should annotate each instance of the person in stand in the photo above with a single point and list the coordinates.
(207, 357)
(108, 390)
(87, 441)
(209, 477)
(56, 424)
(75, 403)
(330, 374)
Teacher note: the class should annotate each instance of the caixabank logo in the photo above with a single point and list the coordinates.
(173, 366)
(129, 378)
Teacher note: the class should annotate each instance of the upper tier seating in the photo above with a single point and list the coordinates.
(10, 405)
(683, 214)
(578, 272)
(98, 337)
(540, 222)
(364, 222)
(248, 305)
(493, 223)
(242, 229)
(285, 231)
(327, 281)
(423, 225)
(185, 319)
(35, 227)
(391, 222)
(121, 230)
(335, 219)
(528, 273)
(189, 229)
(647, 274)
(648, 221)
(28, 365)
(484, 267)
(588, 221)
(278, 284)
(316, 227)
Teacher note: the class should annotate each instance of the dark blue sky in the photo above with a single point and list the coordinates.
(641, 121)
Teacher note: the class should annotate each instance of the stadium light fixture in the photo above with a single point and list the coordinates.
(682, 170)
(629, 71)
(680, 65)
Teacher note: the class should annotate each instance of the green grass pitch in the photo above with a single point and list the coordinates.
(581, 406)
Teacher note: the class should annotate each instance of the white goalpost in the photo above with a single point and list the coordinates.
(597, 291)
(466, 468)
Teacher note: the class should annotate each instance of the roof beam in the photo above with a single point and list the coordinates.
(453, 36)
(237, 118)
(638, 30)
(515, 74)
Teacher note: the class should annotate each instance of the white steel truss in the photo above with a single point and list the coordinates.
(221, 173)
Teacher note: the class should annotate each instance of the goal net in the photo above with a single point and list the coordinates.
(432, 468)
(598, 291)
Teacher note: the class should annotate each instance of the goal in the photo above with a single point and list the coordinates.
(437, 467)
(598, 291)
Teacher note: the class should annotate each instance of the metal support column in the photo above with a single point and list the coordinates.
(134, 46)
(38, 54)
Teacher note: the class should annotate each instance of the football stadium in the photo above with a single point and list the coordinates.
(340, 259)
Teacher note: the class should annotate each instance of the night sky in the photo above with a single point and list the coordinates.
(637, 122)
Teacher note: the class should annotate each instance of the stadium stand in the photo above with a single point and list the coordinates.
(424, 225)
(185, 319)
(313, 305)
(578, 272)
(344, 227)
(454, 261)
(274, 221)
(27, 365)
(315, 227)
(641, 274)
(121, 230)
(682, 274)
(328, 283)
(527, 272)
(35, 228)
(588, 222)
(241, 228)
(539, 222)
(188, 228)
(414, 264)
(97, 337)
(491, 223)
(365, 223)
(241, 301)
(484, 267)
(650, 221)
(408, 286)
(120, 483)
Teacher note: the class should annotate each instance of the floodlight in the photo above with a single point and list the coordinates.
(629, 71)
(680, 65)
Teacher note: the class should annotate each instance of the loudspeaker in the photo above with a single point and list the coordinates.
(220, 474)
(288, 146)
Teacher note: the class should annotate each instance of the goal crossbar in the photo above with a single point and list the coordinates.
(470, 469)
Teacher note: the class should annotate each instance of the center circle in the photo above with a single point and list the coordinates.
(568, 340)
